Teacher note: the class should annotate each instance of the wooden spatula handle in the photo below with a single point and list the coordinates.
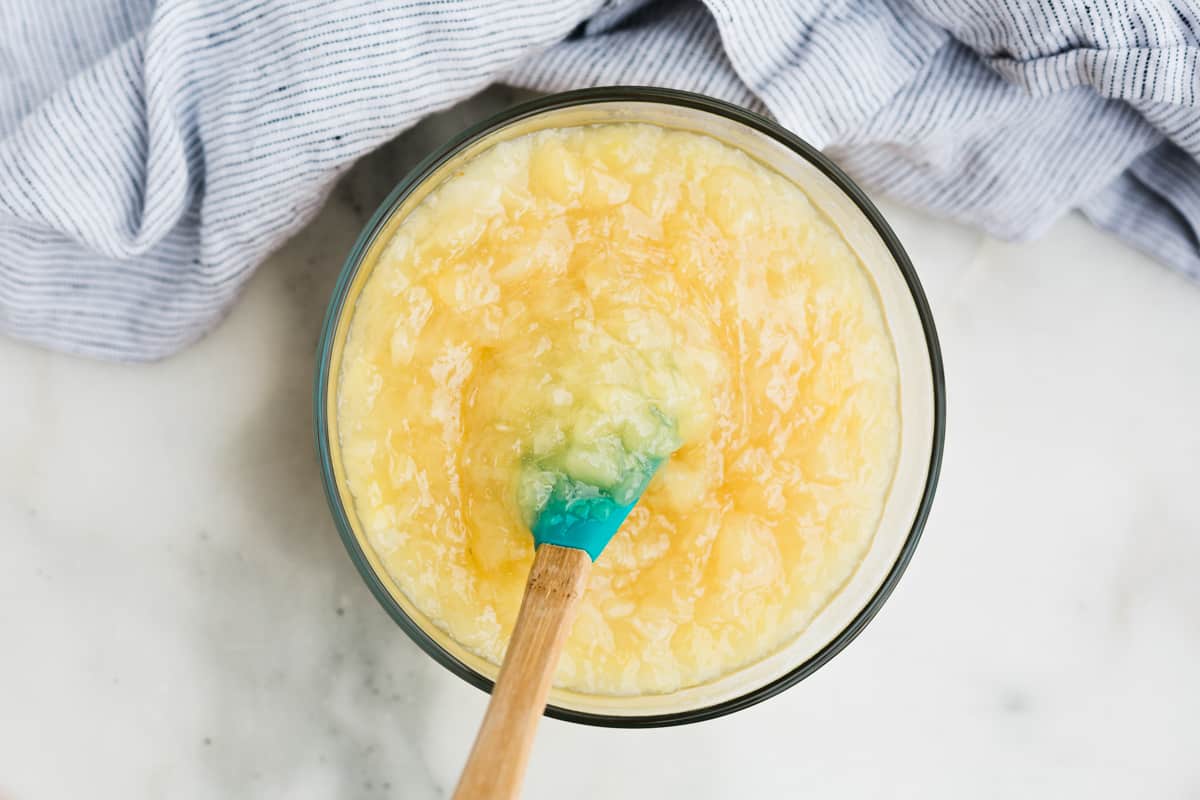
(497, 762)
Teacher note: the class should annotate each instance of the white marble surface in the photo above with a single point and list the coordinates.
(179, 619)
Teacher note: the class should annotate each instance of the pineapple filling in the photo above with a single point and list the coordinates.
(576, 299)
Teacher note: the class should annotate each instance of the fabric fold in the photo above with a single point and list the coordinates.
(153, 153)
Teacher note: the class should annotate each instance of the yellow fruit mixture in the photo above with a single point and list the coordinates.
(583, 291)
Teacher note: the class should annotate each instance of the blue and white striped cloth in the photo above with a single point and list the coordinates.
(152, 153)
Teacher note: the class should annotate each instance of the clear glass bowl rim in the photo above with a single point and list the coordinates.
(632, 94)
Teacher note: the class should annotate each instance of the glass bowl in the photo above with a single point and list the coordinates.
(922, 395)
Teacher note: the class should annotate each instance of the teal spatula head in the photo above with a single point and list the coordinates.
(577, 492)
(585, 516)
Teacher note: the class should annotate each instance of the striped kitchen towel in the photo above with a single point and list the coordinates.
(153, 152)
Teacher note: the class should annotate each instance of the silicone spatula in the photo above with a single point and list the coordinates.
(569, 532)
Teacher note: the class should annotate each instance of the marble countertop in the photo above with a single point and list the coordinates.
(179, 618)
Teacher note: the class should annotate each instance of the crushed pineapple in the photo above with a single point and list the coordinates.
(577, 293)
